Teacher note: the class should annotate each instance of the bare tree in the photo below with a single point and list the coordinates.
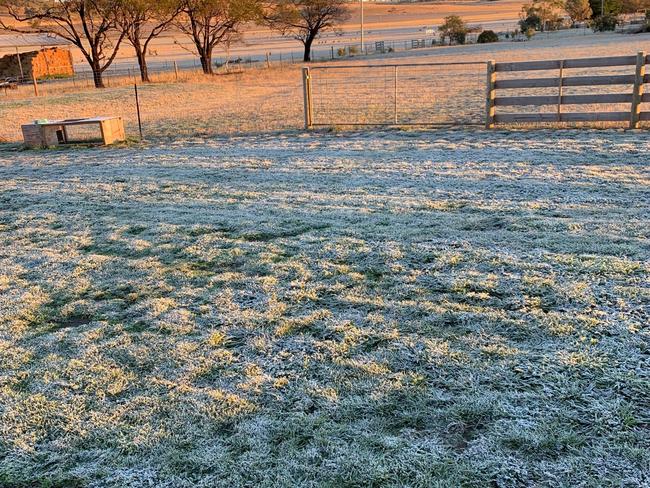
(305, 20)
(209, 23)
(141, 21)
(87, 24)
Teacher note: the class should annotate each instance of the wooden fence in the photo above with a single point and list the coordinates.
(634, 98)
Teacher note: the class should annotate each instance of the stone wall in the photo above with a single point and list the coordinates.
(51, 62)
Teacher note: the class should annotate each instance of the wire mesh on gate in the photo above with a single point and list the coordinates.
(399, 94)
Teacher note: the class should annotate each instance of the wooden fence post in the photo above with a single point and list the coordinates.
(20, 66)
(306, 87)
(35, 83)
(560, 91)
(137, 106)
(637, 93)
(490, 91)
(176, 70)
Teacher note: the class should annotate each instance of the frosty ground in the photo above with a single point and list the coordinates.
(443, 308)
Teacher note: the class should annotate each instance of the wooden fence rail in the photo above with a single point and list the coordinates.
(634, 98)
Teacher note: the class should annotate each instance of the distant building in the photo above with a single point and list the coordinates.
(45, 63)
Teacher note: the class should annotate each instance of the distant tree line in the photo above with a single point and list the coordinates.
(99, 28)
(543, 15)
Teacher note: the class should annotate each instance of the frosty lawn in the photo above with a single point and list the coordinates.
(386, 309)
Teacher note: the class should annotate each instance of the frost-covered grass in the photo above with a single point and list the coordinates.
(388, 309)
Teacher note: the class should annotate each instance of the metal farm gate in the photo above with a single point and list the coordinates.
(395, 94)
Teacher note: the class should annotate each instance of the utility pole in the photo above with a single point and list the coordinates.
(361, 2)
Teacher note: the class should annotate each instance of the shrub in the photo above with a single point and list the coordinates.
(487, 37)
(603, 23)
(556, 24)
(454, 28)
(531, 21)
(341, 52)
(542, 15)
(353, 50)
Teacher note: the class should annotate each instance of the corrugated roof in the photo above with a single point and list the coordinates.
(26, 41)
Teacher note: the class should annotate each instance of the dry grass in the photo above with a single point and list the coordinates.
(197, 106)
(261, 100)
(388, 309)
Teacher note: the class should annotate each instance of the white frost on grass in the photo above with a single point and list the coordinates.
(392, 309)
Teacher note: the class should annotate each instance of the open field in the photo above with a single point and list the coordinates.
(258, 100)
(417, 309)
(382, 22)
(237, 302)
(269, 100)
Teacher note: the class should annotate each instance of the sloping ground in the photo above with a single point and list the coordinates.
(272, 100)
(386, 309)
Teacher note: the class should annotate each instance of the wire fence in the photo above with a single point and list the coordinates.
(124, 72)
(398, 94)
(24, 85)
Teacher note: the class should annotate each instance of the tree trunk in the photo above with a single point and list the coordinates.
(206, 61)
(204, 65)
(95, 66)
(98, 76)
(308, 42)
(142, 63)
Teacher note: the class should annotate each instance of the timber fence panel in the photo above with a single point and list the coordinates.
(604, 89)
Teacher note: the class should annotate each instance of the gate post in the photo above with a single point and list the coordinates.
(637, 93)
(490, 91)
(306, 89)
